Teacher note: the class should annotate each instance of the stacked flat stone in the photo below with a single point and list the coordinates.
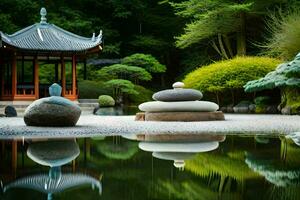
(179, 104)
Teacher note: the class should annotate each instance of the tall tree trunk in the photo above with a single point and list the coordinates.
(214, 45)
(222, 46)
(228, 45)
(241, 36)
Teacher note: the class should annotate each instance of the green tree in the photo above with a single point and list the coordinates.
(121, 71)
(217, 21)
(145, 61)
(120, 88)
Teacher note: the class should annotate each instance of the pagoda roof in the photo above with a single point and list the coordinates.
(48, 37)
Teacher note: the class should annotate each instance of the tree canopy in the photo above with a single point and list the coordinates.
(126, 72)
(145, 61)
(120, 87)
(217, 21)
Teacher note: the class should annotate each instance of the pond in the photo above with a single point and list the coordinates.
(162, 166)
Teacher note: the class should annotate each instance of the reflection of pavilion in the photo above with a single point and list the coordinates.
(53, 153)
(179, 147)
(46, 184)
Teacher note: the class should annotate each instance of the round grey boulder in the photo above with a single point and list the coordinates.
(178, 95)
(52, 111)
(10, 111)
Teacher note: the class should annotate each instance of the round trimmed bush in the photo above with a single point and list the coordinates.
(228, 77)
(106, 101)
(233, 73)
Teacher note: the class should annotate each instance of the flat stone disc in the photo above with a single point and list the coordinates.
(180, 106)
(186, 147)
(178, 94)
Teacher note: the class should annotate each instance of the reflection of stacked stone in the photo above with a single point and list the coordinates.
(180, 104)
(179, 147)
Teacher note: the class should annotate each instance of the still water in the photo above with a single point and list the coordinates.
(151, 167)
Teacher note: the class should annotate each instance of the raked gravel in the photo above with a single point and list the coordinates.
(93, 125)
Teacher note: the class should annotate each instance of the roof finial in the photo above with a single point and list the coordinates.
(43, 13)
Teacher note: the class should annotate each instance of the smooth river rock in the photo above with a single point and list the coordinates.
(179, 106)
(178, 94)
(187, 147)
(184, 116)
(178, 85)
(55, 90)
(10, 111)
(52, 111)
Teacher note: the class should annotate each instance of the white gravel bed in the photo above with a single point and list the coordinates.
(92, 125)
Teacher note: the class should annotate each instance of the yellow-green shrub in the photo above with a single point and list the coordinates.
(229, 75)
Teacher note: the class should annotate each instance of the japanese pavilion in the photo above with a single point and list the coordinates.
(42, 48)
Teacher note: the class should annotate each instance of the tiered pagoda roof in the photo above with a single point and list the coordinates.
(48, 37)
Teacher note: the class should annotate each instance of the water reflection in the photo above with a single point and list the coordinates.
(282, 170)
(54, 154)
(179, 147)
(141, 167)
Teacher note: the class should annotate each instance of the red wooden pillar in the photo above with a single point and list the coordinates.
(63, 77)
(36, 78)
(14, 77)
(14, 156)
(74, 77)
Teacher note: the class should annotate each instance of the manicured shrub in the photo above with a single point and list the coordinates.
(229, 76)
(120, 87)
(120, 71)
(91, 89)
(106, 101)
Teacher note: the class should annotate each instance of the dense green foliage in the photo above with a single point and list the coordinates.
(124, 79)
(145, 61)
(126, 72)
(120, 87)
(230, 75)
(106, 101)
(91, 89)
(223, 23)
(285, 34)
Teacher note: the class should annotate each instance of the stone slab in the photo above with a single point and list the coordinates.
(140, 116)
(178, 95)
(179, 106)
(184, 116)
